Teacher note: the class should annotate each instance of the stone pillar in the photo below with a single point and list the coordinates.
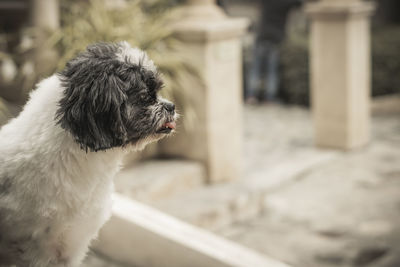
(340, 72)
(45, 17)
(212, 44)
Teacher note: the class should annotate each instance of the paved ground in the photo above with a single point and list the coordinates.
(343, 212)
(96, 260)
(317, 208)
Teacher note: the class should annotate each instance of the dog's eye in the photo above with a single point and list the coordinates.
(148, 98)
(143, 96)
(152, 84)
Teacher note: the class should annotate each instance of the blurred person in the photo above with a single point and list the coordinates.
(263, 82)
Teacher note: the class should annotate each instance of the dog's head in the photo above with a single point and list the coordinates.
(110, 98)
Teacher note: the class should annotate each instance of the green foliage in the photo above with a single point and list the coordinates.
(7, 111)
(294, 71)
(84, 23)
(4, 113)
(17, 75)
(143, 23)
(386, 60)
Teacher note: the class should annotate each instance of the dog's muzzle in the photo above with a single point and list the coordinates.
(170, 124)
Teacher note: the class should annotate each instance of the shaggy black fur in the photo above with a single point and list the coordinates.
(108, 102)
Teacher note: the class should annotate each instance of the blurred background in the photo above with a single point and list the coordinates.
(289, 140)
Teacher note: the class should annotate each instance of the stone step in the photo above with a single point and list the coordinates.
(154, 180)
(219, 205)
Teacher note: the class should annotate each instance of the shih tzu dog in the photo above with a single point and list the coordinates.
(58, 157)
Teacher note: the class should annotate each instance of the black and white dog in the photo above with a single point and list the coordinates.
(58, 157)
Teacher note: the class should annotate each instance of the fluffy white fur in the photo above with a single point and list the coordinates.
(135, 56)
(43, 158)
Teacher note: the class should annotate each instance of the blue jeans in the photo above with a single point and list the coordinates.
(263, 76)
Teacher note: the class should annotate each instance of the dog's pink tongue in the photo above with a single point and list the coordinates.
(171, 125)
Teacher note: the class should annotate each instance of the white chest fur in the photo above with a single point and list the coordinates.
(55, 196)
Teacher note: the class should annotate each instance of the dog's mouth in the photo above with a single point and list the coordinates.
(167, 127)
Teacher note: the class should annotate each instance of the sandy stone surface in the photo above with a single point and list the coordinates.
(344, 212)
(96, 260)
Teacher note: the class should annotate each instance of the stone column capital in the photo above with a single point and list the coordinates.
(202, 10)
(339, 9)
(204, 21)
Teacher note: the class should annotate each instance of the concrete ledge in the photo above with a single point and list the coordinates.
(142, 236)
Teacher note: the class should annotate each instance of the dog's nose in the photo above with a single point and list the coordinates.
(169, 107)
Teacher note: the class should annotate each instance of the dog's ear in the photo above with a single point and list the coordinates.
(93, 108)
